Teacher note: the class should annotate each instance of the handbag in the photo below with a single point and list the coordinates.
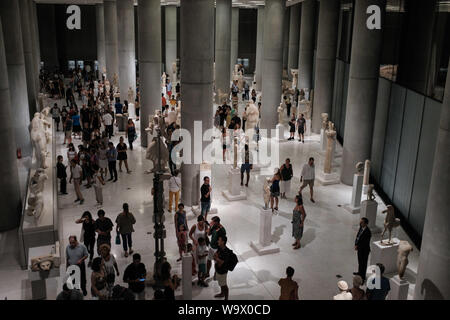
(117, 239)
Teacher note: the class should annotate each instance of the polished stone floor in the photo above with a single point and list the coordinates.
(327, 245)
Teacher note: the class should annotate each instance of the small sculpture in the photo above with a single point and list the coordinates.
(158, 154)
(359, 168)
(266, 193)
(366, 172)
(37, 181)
(130, 95)
(324, 117)
(45, 262)
(331, 136)
(370, 195)
(35, 205)
(281, 112)
(390, 222)
(252, 116)
(404, 249)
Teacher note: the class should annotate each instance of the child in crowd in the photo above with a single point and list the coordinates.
(182, 240)
(202, 254)
(98, 182)
(191, 251)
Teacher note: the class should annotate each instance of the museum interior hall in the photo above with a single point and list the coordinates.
(225, 150)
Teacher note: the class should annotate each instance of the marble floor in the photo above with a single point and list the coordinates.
(327, 244)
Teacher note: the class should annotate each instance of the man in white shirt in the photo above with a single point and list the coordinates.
(108, 122)
(174, 190)
(308, 176)
(76, 174)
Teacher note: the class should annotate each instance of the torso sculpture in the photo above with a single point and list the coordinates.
(359, 168)
(404, 250)
(252, 116)
(39, 140)
(281, 112)
(324, 117)
(331, 136)
(35, 197)
(266, 192)
(390, 222)
(370, 195)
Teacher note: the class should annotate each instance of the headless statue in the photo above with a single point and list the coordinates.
(404, 249)
(390, 222)
(266, 193)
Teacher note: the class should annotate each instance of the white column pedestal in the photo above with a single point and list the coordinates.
(186, 280)
(131, 110)
(265, 244)
(327, 178)
(280, 132)
(308, 127)
(385, 254)
(234, 191)
(369, 210)
(355, 204)
(197, 210)
(399, 289)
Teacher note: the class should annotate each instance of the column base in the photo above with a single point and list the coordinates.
(280, 132)
(197, 210)
(351, 209)
(399, 289)
(327, 178)
(263, 250)
(227, 194)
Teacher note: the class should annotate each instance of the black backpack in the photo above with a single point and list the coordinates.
(232, 262)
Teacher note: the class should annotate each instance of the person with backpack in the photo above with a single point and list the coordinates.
(215, 230)
(225, 260)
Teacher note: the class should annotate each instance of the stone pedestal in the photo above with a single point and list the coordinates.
(186, 281)
(355, 204)
(369, 210)
(121, 122)
(385, 254)
(38, 279)
(280, 132)
(234, 191)
(327, 178)
(197, 210)
(399, 289)
(265, 244)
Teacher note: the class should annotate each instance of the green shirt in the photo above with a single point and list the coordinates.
(215, 237)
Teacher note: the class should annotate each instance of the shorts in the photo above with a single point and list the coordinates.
(68, 134)
(221, 279)
(306, 182)
(205, 208)
(285, 186)
(301, 130)
(275, 194)
(202, 268)
(245, 167)
(211, 253)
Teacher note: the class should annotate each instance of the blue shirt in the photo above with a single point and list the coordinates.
(76, 120)
(169, 86)
(111, 154)
(118, 107)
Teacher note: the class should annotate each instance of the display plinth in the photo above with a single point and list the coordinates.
(369, 210)
(234, 191)
(399, 288)
(121, 120)
(355, 204)
(265, 244)
(327, 178)
(385, 254)
(308, 127)
(279, 132)
(186, 266)
(38, 278)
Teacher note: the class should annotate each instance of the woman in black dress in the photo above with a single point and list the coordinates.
(122, 155)
(88, 233)
(170, 283)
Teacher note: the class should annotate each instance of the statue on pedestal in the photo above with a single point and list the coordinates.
(174, 72)
(252, 113)
(370, 195)
(324, 117)
(359, 168)
(294, 73)
(266, 193)
(130, 95)
(235, 155)
(115, 80)
(44, 263)
(39, 140)
(331, 137)
(158, 153)
(404, 249)
(281, 113)
(366, 172)
(390, 222)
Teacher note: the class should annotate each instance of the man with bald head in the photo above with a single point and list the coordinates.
(76, 253)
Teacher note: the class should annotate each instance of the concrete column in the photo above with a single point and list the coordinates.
(197, 58)
(10, 195)
(12, 32)
(127, 50)
(25, 20)
(234, 38)
(35, 44)
(433, 274)
(100, 24)
(259, 48)
(272, 62)
(362, 89)
(171, 37)
(149, 37)
(111, 39)
(223, 47)
(286, 37)
(294, 30)
(325, 60)
(306, 48)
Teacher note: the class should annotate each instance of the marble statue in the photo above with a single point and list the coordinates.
(158, 154)
(366, 172)
(235, 155)
(390, 222)
(240, 81)
(45, 263)
(130, 95)
(171, 116)
(163, 80)
(359, 168)
(266, 193)
(37, 181)
(252, 116)
(45, 124)
(178, 109)
(331, 140)
(39, 140)
(236, 73)
(281, 113)
(107, 86)
(35, 204)
(294, 73)
(370, 195)
(115, 80)
(404, 249)
(324, 117)
(174, 72)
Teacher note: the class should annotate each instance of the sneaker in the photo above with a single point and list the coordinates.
(129, 171)
(77, 200)
(81, 201)
(115, 180)
(131, 251)
(312, 200)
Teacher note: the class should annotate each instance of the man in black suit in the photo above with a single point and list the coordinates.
(362, 246)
